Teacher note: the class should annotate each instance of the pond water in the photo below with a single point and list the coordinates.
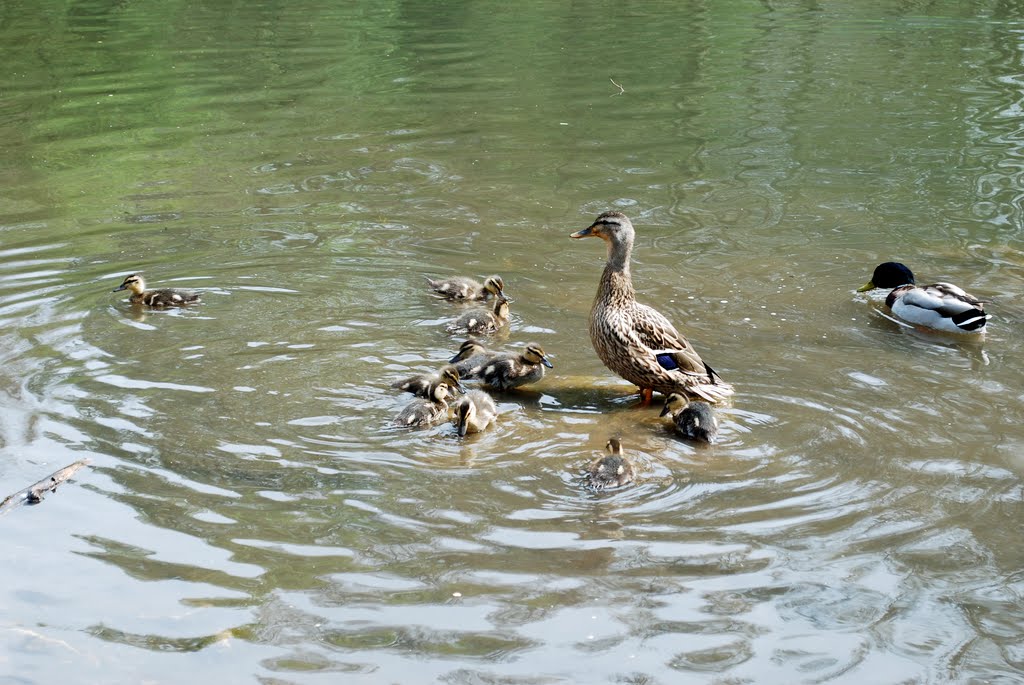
(249, 514)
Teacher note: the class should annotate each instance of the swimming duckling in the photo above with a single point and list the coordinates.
(482, 321)
(611, 471)
(470, 356)
(506, 371)
(420, 385)
(462, 288)
(474, 412)
(426, 412)
(164, 297)
(939, 306)
(695, 420)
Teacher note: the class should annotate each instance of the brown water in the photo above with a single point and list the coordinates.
(250, 515)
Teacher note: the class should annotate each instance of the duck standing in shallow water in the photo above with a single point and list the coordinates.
(425, 411)
(506, 371)
(695, 420)
(482, 321)
(634, 340)
(461, 288)
(474, 412)
(611, 471)
(421, 385)
(164, 297)
(939, 306)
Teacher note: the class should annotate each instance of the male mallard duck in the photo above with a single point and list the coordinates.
(509, 370)
(469, 357)
(164, 297)
(428, 411)
(634, 340)
(474, 412)
(612, 470)
(939, 306)
(695, 420)
(420, 385)
(482, 321)
(462, 288)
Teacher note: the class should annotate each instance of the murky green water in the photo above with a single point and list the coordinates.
(250, 516)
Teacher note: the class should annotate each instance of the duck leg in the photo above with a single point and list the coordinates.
(646, 395)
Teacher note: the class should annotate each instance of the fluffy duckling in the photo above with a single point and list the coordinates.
(695, 420)
(461, 288)
(482, 321)
(612, 470)
(428, 411)
(939, 306)
(469, 357)
(507, 371)
(164, 297)
(420, 385)
(474, 412)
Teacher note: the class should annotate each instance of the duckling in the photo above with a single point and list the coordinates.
(695, 420)
(612, 470)
(482, 321)
(461, 288)
(474, 412)
(165, 297)
(469, 357)
(420, 385)
(425, 412)
(939, 306)
(507, 371)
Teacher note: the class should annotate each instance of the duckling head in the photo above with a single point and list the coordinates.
(673, 404)
(132, 282)
(614, 446)
(534, 354)
(465, 411)
(439, 391)
(495, 286)
(501, 308)
(468, 349)
(450, 377)
(888, 275)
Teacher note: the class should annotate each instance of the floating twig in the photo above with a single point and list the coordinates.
(33, 494)
(617, 85)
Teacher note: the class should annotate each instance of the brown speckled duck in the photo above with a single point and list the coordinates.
(482, 321)
(635, 340)
(611, 471)
(460, 288)
(420, 385)
(164, 297)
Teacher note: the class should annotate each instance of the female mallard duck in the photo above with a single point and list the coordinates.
(420, 385)
(164, 297)
(470, 356)
(462, 288)
(474, 412)
(634, 340)
(695, 420)
(939, 306)
(428, 411)
(509, 370)
(612, 470)
(482, 321)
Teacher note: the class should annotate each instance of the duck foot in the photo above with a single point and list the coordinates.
(646, 395)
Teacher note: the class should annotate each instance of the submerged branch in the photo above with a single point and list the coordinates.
(33, 494)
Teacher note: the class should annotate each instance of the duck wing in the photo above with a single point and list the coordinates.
(672, 351)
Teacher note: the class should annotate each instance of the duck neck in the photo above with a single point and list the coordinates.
(616, 279)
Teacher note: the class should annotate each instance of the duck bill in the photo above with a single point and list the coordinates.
(866, 287)
(585, 233)
(546, 362)
(665, 410)
(456, 358)
(463, 428)
(461, 388)
(119, 288)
